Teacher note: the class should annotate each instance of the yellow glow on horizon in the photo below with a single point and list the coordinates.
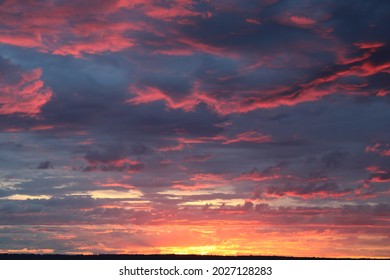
(131, 193)
(200, 250)
(25, 197)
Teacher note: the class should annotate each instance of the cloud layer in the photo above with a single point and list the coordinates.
(248, 126)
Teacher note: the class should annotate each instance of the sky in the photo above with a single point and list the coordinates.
(195, 127)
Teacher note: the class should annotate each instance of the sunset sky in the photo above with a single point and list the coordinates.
(225, 127)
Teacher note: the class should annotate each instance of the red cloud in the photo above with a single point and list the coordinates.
(26, 96)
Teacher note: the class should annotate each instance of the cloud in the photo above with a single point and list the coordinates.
(21, 92)
(301, 20)
(168, 29)
(379, 148)
(111, 159)
(327, 190)
(80, 28)
(267, 174)
(252, 21)
(120, 165)
(250, 136)
(69, 32)
(45, 165)
(172, 118)
(198, 158)
(334, 159)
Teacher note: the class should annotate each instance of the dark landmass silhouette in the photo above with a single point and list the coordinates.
(160, 257)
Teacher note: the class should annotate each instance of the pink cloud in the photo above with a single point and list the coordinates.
(369, 45)
(377, 175)
(152, 94)
(250, 136)
(302, 21)
(379, 148)
(98, 44)
(225, 104)
(252, 100)
(344, 53)
(103, 28)
(252, 21)
(258, 177)
(309, 192)
(202, 47)
(27, 96)
(64, 33)
(178, 147)
(179, 9)
(122, 164)
(211, 177)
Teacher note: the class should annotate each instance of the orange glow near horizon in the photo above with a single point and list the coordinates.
(232, 239)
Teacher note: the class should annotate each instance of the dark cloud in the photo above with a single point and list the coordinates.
(198, 158)
(334, 159)
(45, 165)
